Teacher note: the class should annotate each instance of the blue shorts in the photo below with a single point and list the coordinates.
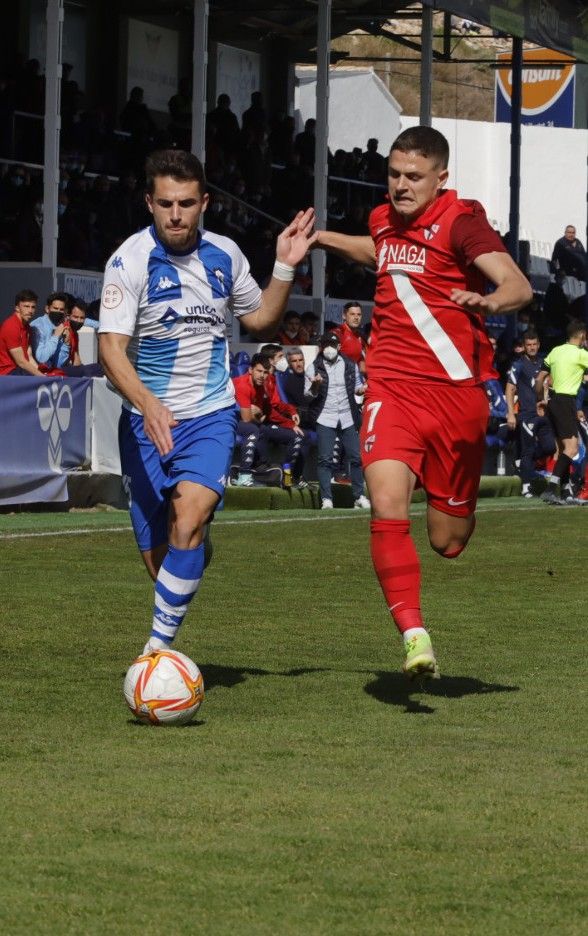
(202, 452)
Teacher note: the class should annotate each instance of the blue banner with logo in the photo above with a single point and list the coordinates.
(44, 433)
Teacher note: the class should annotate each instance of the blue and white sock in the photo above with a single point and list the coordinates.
(176, 585)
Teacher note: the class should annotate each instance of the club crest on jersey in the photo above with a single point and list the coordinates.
(165, 283)
(169, 318)
(430, 232)
(409, 258)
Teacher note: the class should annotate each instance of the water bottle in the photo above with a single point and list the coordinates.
(501, 463)
(287, 469)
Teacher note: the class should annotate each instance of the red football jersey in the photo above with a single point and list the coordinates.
(14, 333)
(417, 332)
(249, 395)
(352, 345)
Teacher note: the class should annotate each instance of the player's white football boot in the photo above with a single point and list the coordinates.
(154, 644)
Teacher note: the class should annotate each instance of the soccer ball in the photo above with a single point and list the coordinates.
(164, 687)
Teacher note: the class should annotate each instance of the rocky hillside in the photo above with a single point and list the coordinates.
(459, 90)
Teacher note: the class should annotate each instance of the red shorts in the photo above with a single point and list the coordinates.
(438, 430)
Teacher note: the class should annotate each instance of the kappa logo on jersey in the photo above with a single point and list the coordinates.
(165, 283)
(169, 318)
(408, 258)
(117, 263)
(430, 232)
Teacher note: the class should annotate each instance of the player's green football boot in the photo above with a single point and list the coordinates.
(420, 660)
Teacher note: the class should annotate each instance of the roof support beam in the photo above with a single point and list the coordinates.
(321, 150)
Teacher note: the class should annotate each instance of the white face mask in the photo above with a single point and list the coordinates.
(281, 365)
(330, 353)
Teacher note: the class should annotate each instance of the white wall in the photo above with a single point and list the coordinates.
(553, 175)
(360, 107)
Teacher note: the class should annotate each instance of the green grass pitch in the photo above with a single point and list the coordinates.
(316, 793)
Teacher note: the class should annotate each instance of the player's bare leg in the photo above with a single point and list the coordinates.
(396, 563)
(449, 535)
(179, 565)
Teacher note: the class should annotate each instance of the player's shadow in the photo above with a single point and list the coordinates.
(229, 676)
(395, 689)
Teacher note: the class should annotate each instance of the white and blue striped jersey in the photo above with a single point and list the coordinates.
(175, 307)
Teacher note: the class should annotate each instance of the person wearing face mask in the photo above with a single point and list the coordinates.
(54, 341)
(289, 332)
(282, 424)
(332, 383)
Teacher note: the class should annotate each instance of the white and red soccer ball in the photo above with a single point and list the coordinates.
(164, 687)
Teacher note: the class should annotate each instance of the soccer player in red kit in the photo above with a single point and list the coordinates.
(425, 410)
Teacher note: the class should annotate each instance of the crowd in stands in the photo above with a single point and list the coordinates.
(260, 172)
(45, 345)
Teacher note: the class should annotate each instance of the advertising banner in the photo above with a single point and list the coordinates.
(45, 432)
(548, 89)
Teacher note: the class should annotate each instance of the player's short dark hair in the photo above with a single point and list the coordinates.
(290, 314)
(575, 328)
(80, 304)
(426, 141)
(351, 305)
(293, 349)
(58, 297)
(270, 349)
(530, 335)
(259, 359)
(25, 295)
(176, 163)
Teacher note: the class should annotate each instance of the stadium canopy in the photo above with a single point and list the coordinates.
(301, 31)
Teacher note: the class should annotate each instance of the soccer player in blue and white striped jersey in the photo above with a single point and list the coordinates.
(168, 292)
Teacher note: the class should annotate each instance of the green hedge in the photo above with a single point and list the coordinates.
(271, 498)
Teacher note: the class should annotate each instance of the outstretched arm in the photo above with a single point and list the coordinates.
(513, 290)
(359, 249)
(292, 246)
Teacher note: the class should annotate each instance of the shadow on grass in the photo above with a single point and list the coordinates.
(229, 676)
(395, 689)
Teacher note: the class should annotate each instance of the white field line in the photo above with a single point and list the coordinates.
(320, 518)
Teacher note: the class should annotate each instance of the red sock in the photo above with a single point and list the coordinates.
(398, 569)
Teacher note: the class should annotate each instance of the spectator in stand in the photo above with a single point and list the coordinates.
(227, 125)
(79, 315)
(309, 328)
(283, 422)
(353, 344)
(565, 365)
(569, 264)
(569, 256)
(332, 383)
(254, 118)
(305, 143)
(289, 333)
(534, 435)
(293, 383)
(265, 417)
(54, 341)
(251, 397)
(373, 165)
(135, 117)
(16, 356)
(180, 112)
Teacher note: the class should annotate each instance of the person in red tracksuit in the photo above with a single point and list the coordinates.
(353, 344)
(265, 417)
(425, 411)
